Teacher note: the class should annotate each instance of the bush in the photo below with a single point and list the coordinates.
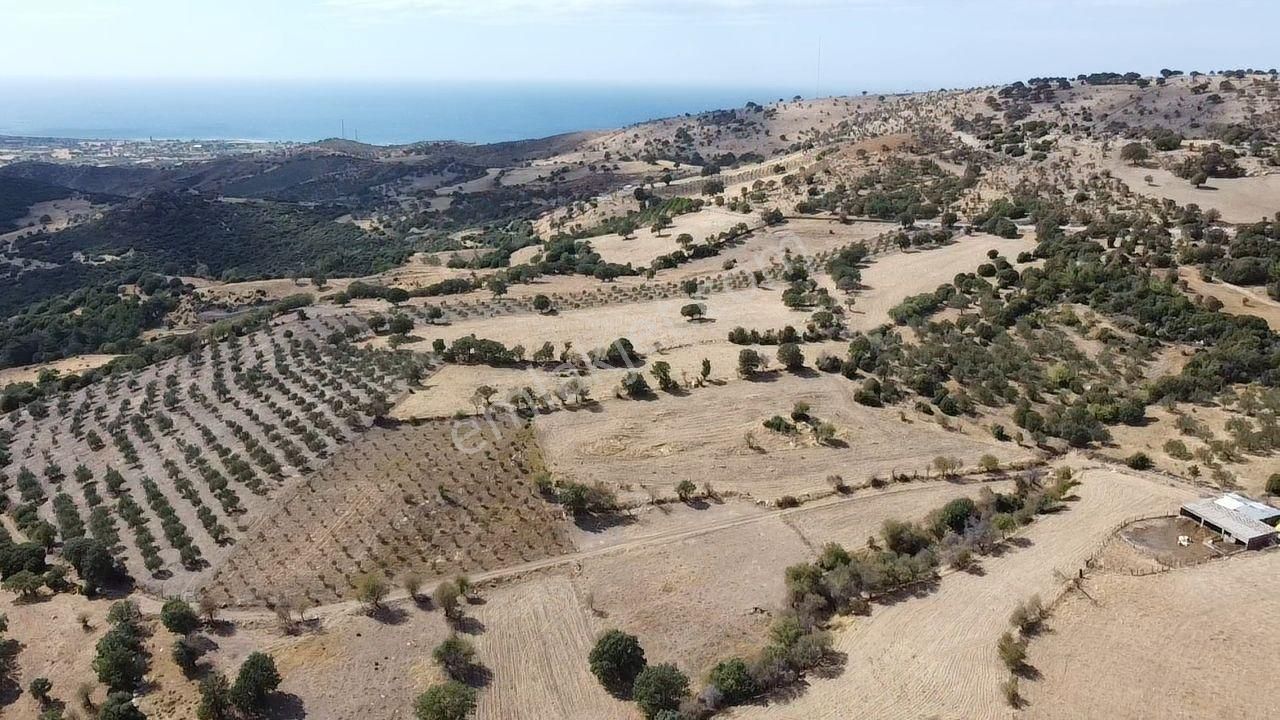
(1139, 461)
(40, 688)
(790, 356)
(1012, 651)
(449, 701)
(1011, 693)
(732, 679)
(616, 660)
(258, 678)
(178, 617)
(371, 589)
(119, 706)
(685, 490)
(446, 598)
(455, 655)
(658, 688)
(1273, 484)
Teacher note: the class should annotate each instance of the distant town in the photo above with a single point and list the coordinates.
(15, 149)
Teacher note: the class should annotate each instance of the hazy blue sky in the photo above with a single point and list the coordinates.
(866, 44)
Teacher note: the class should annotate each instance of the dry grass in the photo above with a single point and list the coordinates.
(67, 366)
(651, 445)
(1179, 644)
(934, 656)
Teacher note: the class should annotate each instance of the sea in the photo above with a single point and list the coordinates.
(382, 113)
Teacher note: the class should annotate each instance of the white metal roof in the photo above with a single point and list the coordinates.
(1249, 507)
(1232, 516)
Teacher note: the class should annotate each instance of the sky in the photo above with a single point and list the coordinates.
(816, 46)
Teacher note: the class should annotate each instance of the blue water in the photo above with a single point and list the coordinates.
(381, 113)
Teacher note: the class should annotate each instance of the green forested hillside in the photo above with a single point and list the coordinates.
(186, 234)
(19, 194)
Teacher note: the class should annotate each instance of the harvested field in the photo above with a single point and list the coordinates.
(652, 445)
(700, 598)
(647, 324)
(1180, 644)
(532, 638)
(934, 656)
(536, 639)
(398, 499)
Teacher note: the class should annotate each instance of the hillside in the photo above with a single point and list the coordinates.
(871, 406)
(185, 234)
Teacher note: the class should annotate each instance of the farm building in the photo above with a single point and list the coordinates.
(1237, 518)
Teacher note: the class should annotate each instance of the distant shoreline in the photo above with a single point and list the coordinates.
(377, 114)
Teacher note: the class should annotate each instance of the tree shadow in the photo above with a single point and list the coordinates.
(1017, 542)
(117, 590)
(423, 603)
(468, 625)
(221, 628)
(478, 676)
(10, 690)
(911, 592)
(600, 522)
(284, 706)
(1027, 671)
(389, 615)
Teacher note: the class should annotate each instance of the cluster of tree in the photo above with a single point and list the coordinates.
(1109, 78)
(1164, 139)
(187, 234)
(845, 267)
(1035, 90)
(470, 350)
(902, 190)
(247, 697)
(1251, 257)
(567, 256)
(578, 498)
(501, 244)
(23, 567)
(619, 663)
(711, 247)
(91, 319)
(1212, 162)
(121, 659)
